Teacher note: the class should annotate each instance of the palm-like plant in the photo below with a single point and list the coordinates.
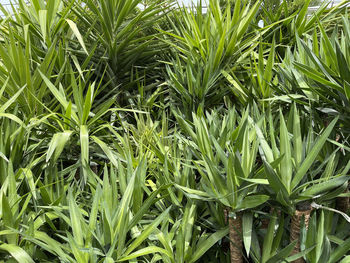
(325, 228)
(34, 39)
(288, 163)
(225, 151)
(204, 45)
(111, 223)
(274, 246)
(192, 230)
(158, 185)
(121, 41)
(318, 70)
(184, 240)
(288, 19)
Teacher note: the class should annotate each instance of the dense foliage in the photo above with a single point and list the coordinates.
(142, 131)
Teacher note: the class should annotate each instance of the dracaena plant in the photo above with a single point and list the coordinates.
(225, 155)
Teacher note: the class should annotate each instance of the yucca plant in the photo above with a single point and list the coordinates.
(122, 42)
(82, 123)
(35, 38)
(186, 240)
(13, 214)
(272, 244)
(261, 78)
(192, 230)
(111, 221)
(11, 147)
(288, 163)
(318, 71)
(324, 239)
(115, 220)
(52, 37)
(84, 180)
(290, 18)
(327, 232)
(225, 151)
(204, 45)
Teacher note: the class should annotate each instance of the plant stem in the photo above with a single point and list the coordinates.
(295, 230)
(236, 245)
(342, 203)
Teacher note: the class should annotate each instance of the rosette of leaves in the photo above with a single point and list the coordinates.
(290, 161)
(225, 155)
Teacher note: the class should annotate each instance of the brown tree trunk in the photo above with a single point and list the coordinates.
(266, 221)
(226, 214)
(94, 168)
(343, 203)
(236, 244)
(295, 230)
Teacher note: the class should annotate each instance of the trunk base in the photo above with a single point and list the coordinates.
(266, 221)
(295, 230)
(236, 244)
(343, 203)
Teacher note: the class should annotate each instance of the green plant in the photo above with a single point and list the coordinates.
(288, 166)
(119, 141)
(205, 45)
(274, 245)
(226, 152)
(121, 42)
